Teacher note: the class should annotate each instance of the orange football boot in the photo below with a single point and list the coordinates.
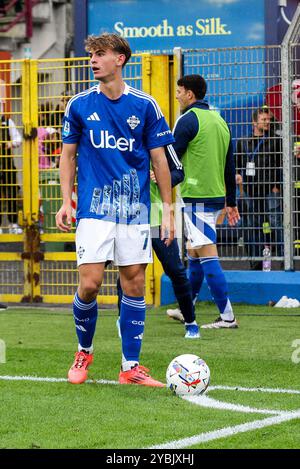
(78, 372)
(139, 375)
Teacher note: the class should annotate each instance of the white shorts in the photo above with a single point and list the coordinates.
(100, 241)
(200, 228)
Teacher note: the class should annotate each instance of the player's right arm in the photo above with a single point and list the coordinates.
(67, 179)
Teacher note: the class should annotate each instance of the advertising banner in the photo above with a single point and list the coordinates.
(157, 26)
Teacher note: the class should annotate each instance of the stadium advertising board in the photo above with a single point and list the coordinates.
(157, 26)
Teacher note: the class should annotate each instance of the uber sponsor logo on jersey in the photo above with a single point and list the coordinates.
(110, 142)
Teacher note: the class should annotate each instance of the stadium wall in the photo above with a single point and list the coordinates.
(251, 287)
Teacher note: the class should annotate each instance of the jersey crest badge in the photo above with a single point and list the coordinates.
(133, 122)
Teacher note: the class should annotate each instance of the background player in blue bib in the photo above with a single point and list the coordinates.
(111, 131)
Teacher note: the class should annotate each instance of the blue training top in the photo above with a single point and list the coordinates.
(114, 138)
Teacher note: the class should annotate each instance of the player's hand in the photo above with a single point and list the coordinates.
(64, 218)
(152, 176)
(233, 215)
(238, 179)
(167, 225)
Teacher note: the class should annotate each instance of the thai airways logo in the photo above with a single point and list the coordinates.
(133, 122)
(103, 139)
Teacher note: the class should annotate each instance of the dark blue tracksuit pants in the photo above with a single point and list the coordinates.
(175, 270)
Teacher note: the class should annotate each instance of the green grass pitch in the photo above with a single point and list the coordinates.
(40, 342)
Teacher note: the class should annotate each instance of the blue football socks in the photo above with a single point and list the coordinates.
(132, 321)
(85, 316)
(216, 281)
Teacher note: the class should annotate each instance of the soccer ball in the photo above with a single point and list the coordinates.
(188, 375)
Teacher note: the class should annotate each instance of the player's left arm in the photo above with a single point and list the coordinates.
(163, 178)
(175, 167)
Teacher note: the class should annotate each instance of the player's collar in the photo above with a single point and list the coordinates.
(126, 88)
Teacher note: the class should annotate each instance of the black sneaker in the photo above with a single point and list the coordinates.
(2, 306)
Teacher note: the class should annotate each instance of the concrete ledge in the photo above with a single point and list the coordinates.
(253, 287)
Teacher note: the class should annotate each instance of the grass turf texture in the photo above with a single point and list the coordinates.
(42, 342)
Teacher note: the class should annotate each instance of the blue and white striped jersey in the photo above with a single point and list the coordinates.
(114, 138)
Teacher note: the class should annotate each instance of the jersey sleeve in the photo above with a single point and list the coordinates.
(185, 130)
(71, 124)
(157, 131)
(175, 167)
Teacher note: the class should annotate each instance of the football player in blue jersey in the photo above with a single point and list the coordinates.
(115, 130)
(169, 256)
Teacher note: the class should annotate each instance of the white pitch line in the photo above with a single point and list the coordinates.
(269, 390)
(104, 381)
(228, 431)
(205, 401)
(279, 417)
(53, 380)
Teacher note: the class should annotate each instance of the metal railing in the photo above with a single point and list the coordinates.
(22, 11)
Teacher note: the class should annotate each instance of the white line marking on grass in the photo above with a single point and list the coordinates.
(228, 431)
(238, 388)
(53, 380)
(104, 381)
(277, 418)
(205, 401)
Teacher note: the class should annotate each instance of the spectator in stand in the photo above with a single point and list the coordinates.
(57, 117)
(56, 123)
(47, 136)
(274, 102)
(259, 163)
(10, 138)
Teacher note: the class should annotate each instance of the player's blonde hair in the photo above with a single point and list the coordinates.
(108, 41)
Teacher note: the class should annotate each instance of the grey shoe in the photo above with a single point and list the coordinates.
(175, 314)
(219, 323)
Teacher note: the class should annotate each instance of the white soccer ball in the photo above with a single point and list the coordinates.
(188, 375)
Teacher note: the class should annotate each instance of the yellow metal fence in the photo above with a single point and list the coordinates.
(37, 262)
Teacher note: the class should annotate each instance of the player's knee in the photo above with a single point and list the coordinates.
(89, 289)
(134, 286)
